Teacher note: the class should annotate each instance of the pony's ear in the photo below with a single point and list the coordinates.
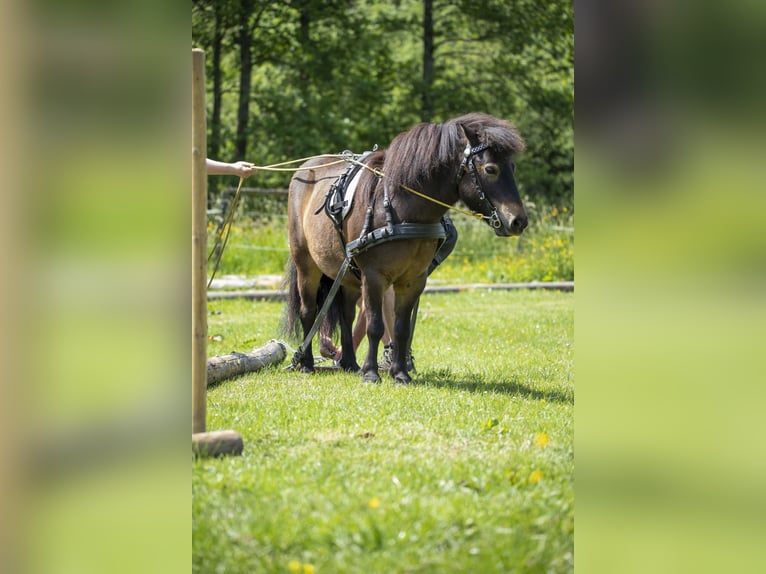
(470, 135)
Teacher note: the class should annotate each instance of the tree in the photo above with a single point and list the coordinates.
(291, 78)
(245, 41)
(428, 60)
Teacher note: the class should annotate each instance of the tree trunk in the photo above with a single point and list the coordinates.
(426, 109)
(214, 141)
(305, 58)
(245, 74)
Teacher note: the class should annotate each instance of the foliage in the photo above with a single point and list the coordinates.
(348, 74)
(545, 252)
(470, 469)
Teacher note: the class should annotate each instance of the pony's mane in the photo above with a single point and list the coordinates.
(427, 149)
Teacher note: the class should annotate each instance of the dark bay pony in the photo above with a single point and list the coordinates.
(468, 158)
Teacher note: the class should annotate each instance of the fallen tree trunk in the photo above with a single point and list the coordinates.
(228, 366)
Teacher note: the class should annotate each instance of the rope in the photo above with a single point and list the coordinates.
(220, 240)
(222, 235)
(419, 194)
(346, 157)
(278, 166)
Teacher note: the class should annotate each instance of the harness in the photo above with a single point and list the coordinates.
(338, 200)
(336, 204)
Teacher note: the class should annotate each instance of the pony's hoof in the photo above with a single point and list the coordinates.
(351, 368)
(304, 369)
(370, 378)
(402, 379)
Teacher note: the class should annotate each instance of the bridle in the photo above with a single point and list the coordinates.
(493, 220)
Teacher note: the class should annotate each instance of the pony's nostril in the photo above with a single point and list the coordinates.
(519, 223)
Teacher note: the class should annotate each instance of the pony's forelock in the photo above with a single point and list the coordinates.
(499, 134)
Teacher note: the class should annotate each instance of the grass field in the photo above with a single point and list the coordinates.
(469, 469)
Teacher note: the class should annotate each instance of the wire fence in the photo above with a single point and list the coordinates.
(262, 221)
(272, 202)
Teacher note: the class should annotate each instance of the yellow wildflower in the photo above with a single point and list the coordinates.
(535, 477)
(542, 440)
(294, 566)
(309, 569)
(374, 502)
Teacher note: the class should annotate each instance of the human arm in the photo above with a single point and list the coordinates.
(240, 168)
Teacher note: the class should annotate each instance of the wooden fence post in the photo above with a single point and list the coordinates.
(199, 241)
(203, 443)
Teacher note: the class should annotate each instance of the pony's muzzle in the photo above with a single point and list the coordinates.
(519, 224)
(513, 225)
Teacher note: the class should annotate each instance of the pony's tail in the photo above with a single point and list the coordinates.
(291, 324)
(331, 321)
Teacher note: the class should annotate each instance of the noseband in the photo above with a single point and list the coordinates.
(468, 165)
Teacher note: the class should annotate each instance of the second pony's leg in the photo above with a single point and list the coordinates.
(348, 357)
(372, 292)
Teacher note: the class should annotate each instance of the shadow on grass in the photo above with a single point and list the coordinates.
(445, 378)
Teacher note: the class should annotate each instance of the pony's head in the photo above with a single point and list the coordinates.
(486, 178)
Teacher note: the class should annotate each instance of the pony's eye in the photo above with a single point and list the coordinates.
(491, 169)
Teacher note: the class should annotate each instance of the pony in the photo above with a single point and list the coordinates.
(392, 229)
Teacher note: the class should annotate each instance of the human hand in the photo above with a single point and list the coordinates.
(244, 168)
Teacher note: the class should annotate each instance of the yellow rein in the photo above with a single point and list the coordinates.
(423, 195)
(345, 158)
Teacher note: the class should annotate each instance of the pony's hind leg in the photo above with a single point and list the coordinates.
(308, 284)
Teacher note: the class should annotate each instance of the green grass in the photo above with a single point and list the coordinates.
(545, 252)
(449, 474)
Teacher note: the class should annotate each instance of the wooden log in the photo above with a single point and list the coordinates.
(217, 443)
(228, 366)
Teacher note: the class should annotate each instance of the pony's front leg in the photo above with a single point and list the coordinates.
(405, 302)
(373, 309)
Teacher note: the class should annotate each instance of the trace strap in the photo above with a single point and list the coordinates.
(298, 356)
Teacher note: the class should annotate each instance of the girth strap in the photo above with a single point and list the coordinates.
(397, 231)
